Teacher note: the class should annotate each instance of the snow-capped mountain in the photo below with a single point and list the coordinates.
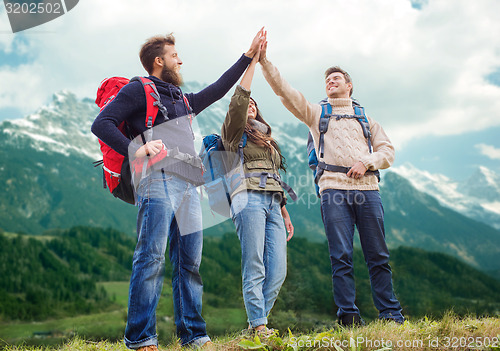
(47, 173)
(63, 126)
(477, 198)
(484, 185)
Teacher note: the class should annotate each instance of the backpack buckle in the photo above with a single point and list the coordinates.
(263, 179)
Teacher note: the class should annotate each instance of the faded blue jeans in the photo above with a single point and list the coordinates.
(169, 210)
(341, 211)
(260, 228)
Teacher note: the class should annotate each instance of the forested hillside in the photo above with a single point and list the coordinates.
(56, 274)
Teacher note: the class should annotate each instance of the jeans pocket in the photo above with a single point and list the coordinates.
(153, 186)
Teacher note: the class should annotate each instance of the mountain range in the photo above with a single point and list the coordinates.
(49, 182)
(478, 197)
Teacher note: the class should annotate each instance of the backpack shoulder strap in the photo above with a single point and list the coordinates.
(359, 111)
(241, 145)
(324, 120)
(243, 141)
(365, 125)
(153, 102)
(190, 110)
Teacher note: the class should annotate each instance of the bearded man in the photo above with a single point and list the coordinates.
(169, 206)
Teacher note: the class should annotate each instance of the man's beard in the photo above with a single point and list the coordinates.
(170, 76)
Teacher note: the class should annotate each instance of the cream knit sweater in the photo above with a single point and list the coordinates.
(344, 141)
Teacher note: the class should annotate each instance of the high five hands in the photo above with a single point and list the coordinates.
(257, 43)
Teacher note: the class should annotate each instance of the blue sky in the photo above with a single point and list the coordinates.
(427, 70)
(456, 156)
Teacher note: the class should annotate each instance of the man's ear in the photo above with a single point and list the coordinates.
(159, 61)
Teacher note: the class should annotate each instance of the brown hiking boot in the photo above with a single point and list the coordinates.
(148, 348)
(208, 345)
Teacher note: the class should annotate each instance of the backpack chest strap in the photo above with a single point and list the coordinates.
(262, 175)
(263, 180)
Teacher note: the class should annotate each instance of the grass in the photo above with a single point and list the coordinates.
(110, 325)
(118, 291)
(449, 333)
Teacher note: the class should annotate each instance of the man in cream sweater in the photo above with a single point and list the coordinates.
(347, 198)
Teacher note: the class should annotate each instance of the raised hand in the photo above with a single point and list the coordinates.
(263, 49)
(256, 42)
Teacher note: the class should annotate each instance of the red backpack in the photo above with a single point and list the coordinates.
(116, 167)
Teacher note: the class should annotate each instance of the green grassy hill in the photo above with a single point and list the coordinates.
(448, 333)
(76, 282)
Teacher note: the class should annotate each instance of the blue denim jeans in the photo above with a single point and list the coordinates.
(169, 210)
(341, 211)
(260, 228)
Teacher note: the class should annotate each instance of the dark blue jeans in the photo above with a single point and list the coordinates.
(341, 211)
(169, 211)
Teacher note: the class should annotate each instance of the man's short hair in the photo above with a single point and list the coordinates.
(153, 48)
(346, 75)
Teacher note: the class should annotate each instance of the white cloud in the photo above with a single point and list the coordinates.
(5, 37)
(488, 151)
(16, 88)
(418, 72)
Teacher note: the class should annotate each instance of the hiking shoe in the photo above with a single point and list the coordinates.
(266, 332)
(208, 345)
(262, 333)
(351, 320)
(148, 348)
(247, 332)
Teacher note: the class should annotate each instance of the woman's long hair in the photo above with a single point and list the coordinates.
(264, 139)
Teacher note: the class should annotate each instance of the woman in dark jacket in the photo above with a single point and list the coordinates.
(258, 213)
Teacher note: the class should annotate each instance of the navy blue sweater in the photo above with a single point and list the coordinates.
(130, 106)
